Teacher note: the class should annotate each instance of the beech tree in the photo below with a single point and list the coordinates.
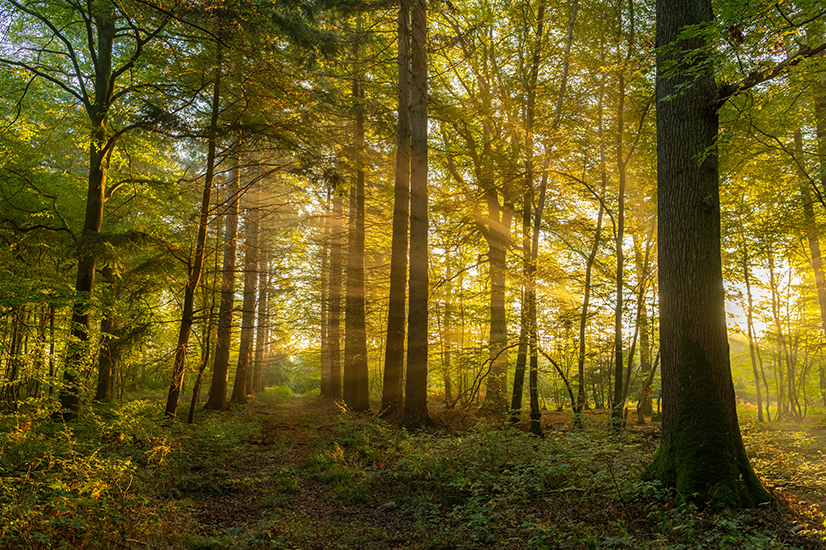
(90, 66)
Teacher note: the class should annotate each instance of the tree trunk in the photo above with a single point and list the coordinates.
(645, 407)
(701, 453)
(392, 397)
(220, 370)
(527, 206)
(750, 332)
(106, 357)
(415, 403)
(335, 297)
(99, 152)
(356, 387)
(324, 282)
(497, 238)
(194, 271)
(243, 373)
(206, 335)
(618, 405)
(263, 325)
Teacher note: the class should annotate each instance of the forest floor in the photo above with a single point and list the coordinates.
(300, 473)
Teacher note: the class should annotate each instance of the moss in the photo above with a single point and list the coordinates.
(702, 456)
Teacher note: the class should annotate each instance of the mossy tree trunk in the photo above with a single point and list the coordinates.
(701, 453)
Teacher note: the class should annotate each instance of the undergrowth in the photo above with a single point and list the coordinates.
(280, 474)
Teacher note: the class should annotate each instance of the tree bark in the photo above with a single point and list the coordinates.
(415, 403)
(263, 326)
(750, 332)
(701, 453)
(392, 392)
(106, 354)
(243, 373)
(527, 207)
(335, 297)
(356, 387)
(324, 282)
(223, 341)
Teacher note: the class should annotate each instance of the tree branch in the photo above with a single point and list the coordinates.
(728, 91)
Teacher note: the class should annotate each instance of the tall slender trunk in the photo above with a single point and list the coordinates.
(263, 325)
(194, 269)
(645, 407)
(620, 389)
(581, 401)
(356, 387)
(415, 403)
(207, 330)
(527, 206)
(335, 297)
(324, 283)
(533, 381)
(619, 393)
(220, 369)
(750, 332)
(784, 354)
(243, 373)
(392, 394)
(51, 349)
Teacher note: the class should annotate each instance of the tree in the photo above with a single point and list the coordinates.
(334, 315)
(392, 397)
(243, 373)
(415, 403)
(98, 75)
(220, 369)
(701, 453)
(195, 265)
(356, 394)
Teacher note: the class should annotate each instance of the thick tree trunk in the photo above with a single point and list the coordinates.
(194, 271)
(498, 357)
(392, 395)
(701, 453)
(243, 373)
(415, 403)
(220, 370)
